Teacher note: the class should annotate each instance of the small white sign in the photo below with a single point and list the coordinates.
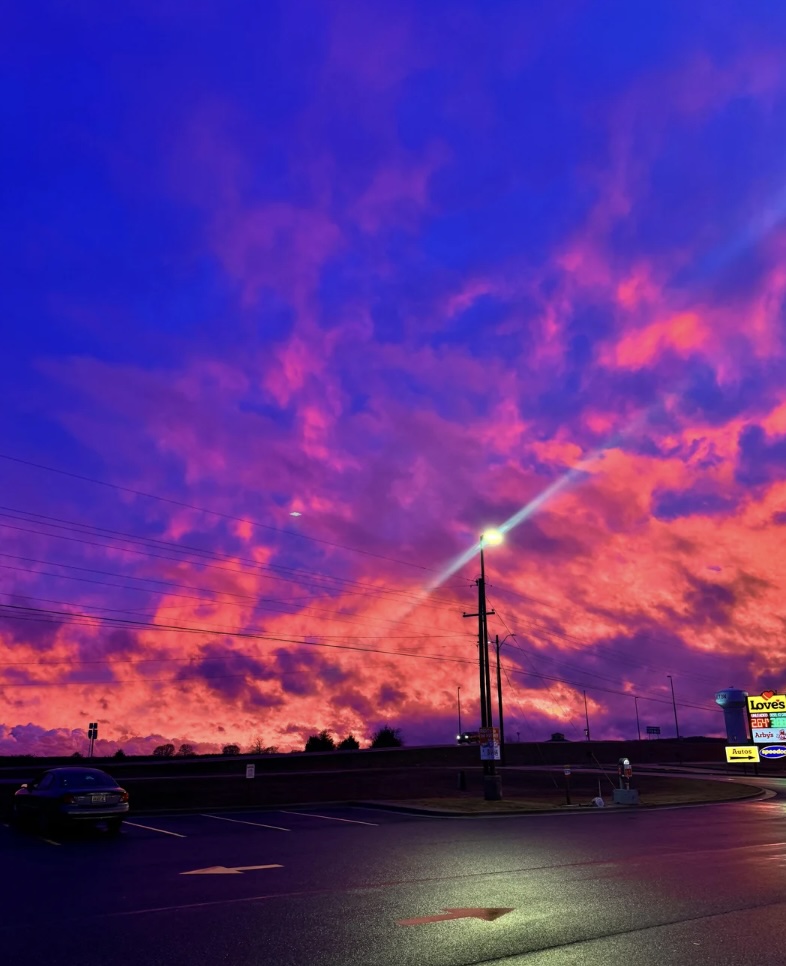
(489, 744)
(768, 736)
(251, 770)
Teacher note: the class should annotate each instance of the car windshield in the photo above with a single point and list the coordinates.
(85, 779)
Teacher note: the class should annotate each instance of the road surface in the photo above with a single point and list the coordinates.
(344, 886)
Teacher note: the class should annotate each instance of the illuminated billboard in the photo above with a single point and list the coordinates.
(767, 714)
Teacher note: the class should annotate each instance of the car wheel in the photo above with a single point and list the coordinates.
(114, 825)
(18, 816)
(43, 824)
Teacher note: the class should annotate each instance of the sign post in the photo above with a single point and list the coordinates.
(489, 744)
(653, 730)
(92, 734)
(625, 795)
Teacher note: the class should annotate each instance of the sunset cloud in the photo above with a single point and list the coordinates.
(405, 275)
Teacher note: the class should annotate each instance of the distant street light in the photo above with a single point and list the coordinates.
(674, 705)
(458, 699)
(586, 718)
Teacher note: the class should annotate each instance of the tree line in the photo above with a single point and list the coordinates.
(385, 737)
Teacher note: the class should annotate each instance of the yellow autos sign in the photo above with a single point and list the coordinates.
(742, 753)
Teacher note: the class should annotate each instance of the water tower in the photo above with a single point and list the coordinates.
(735, 712)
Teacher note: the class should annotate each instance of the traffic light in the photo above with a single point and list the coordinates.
(92, 730)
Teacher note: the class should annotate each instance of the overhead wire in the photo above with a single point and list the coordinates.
(643, 696)
(147, 553)
(620, 656)
(261, 603)
(216, 513)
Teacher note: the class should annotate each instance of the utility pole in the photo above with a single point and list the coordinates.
(499, 706)
(492, 790)
(638, 726)
(458, 700)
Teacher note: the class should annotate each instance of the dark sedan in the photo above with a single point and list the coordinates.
(66, 796)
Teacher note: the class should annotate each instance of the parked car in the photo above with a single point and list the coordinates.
(66, 796)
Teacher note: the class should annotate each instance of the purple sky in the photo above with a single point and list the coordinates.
(397, 268)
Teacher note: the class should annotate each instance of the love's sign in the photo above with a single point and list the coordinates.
(768, 702)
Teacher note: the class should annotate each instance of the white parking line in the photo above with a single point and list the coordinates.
(150, 828)
(239, 821)
(330, 818)
(50, 841)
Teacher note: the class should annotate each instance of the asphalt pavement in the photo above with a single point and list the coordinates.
(357, 886)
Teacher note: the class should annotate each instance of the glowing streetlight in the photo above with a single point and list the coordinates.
(492, 537)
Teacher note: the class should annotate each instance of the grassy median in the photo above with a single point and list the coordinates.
(546, 796)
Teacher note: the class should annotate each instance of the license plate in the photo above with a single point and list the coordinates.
(98, 799)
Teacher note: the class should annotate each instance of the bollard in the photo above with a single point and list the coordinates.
(567, 784)
(462, 781)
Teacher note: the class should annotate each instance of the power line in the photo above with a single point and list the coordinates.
(646, 696)
(44, 615)
(262, 603)
(626, 694)
(76, 526)
(620, 656)
(216, 513)
(343, 637)
(599, 642)
(146, 553)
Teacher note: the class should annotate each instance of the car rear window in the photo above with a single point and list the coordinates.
(85, 779)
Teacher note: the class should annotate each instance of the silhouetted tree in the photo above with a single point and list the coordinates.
(350, 743)
(230, 750)
(321, 742)
(119, 753)
(259, 748)
(77, 754)
(164, 751)
(387, 737)
(185, 751)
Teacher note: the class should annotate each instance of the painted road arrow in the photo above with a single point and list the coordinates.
(488, 914)
(234, 870)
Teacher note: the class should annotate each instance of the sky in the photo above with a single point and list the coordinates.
(299, 298)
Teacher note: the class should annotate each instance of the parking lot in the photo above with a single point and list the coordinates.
(165, 860)
(357, 886)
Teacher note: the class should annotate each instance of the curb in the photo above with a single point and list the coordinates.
(556, 810)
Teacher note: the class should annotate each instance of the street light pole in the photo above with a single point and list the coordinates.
(638, 726)
(492, 785)
(674, 705)
(458, 700)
